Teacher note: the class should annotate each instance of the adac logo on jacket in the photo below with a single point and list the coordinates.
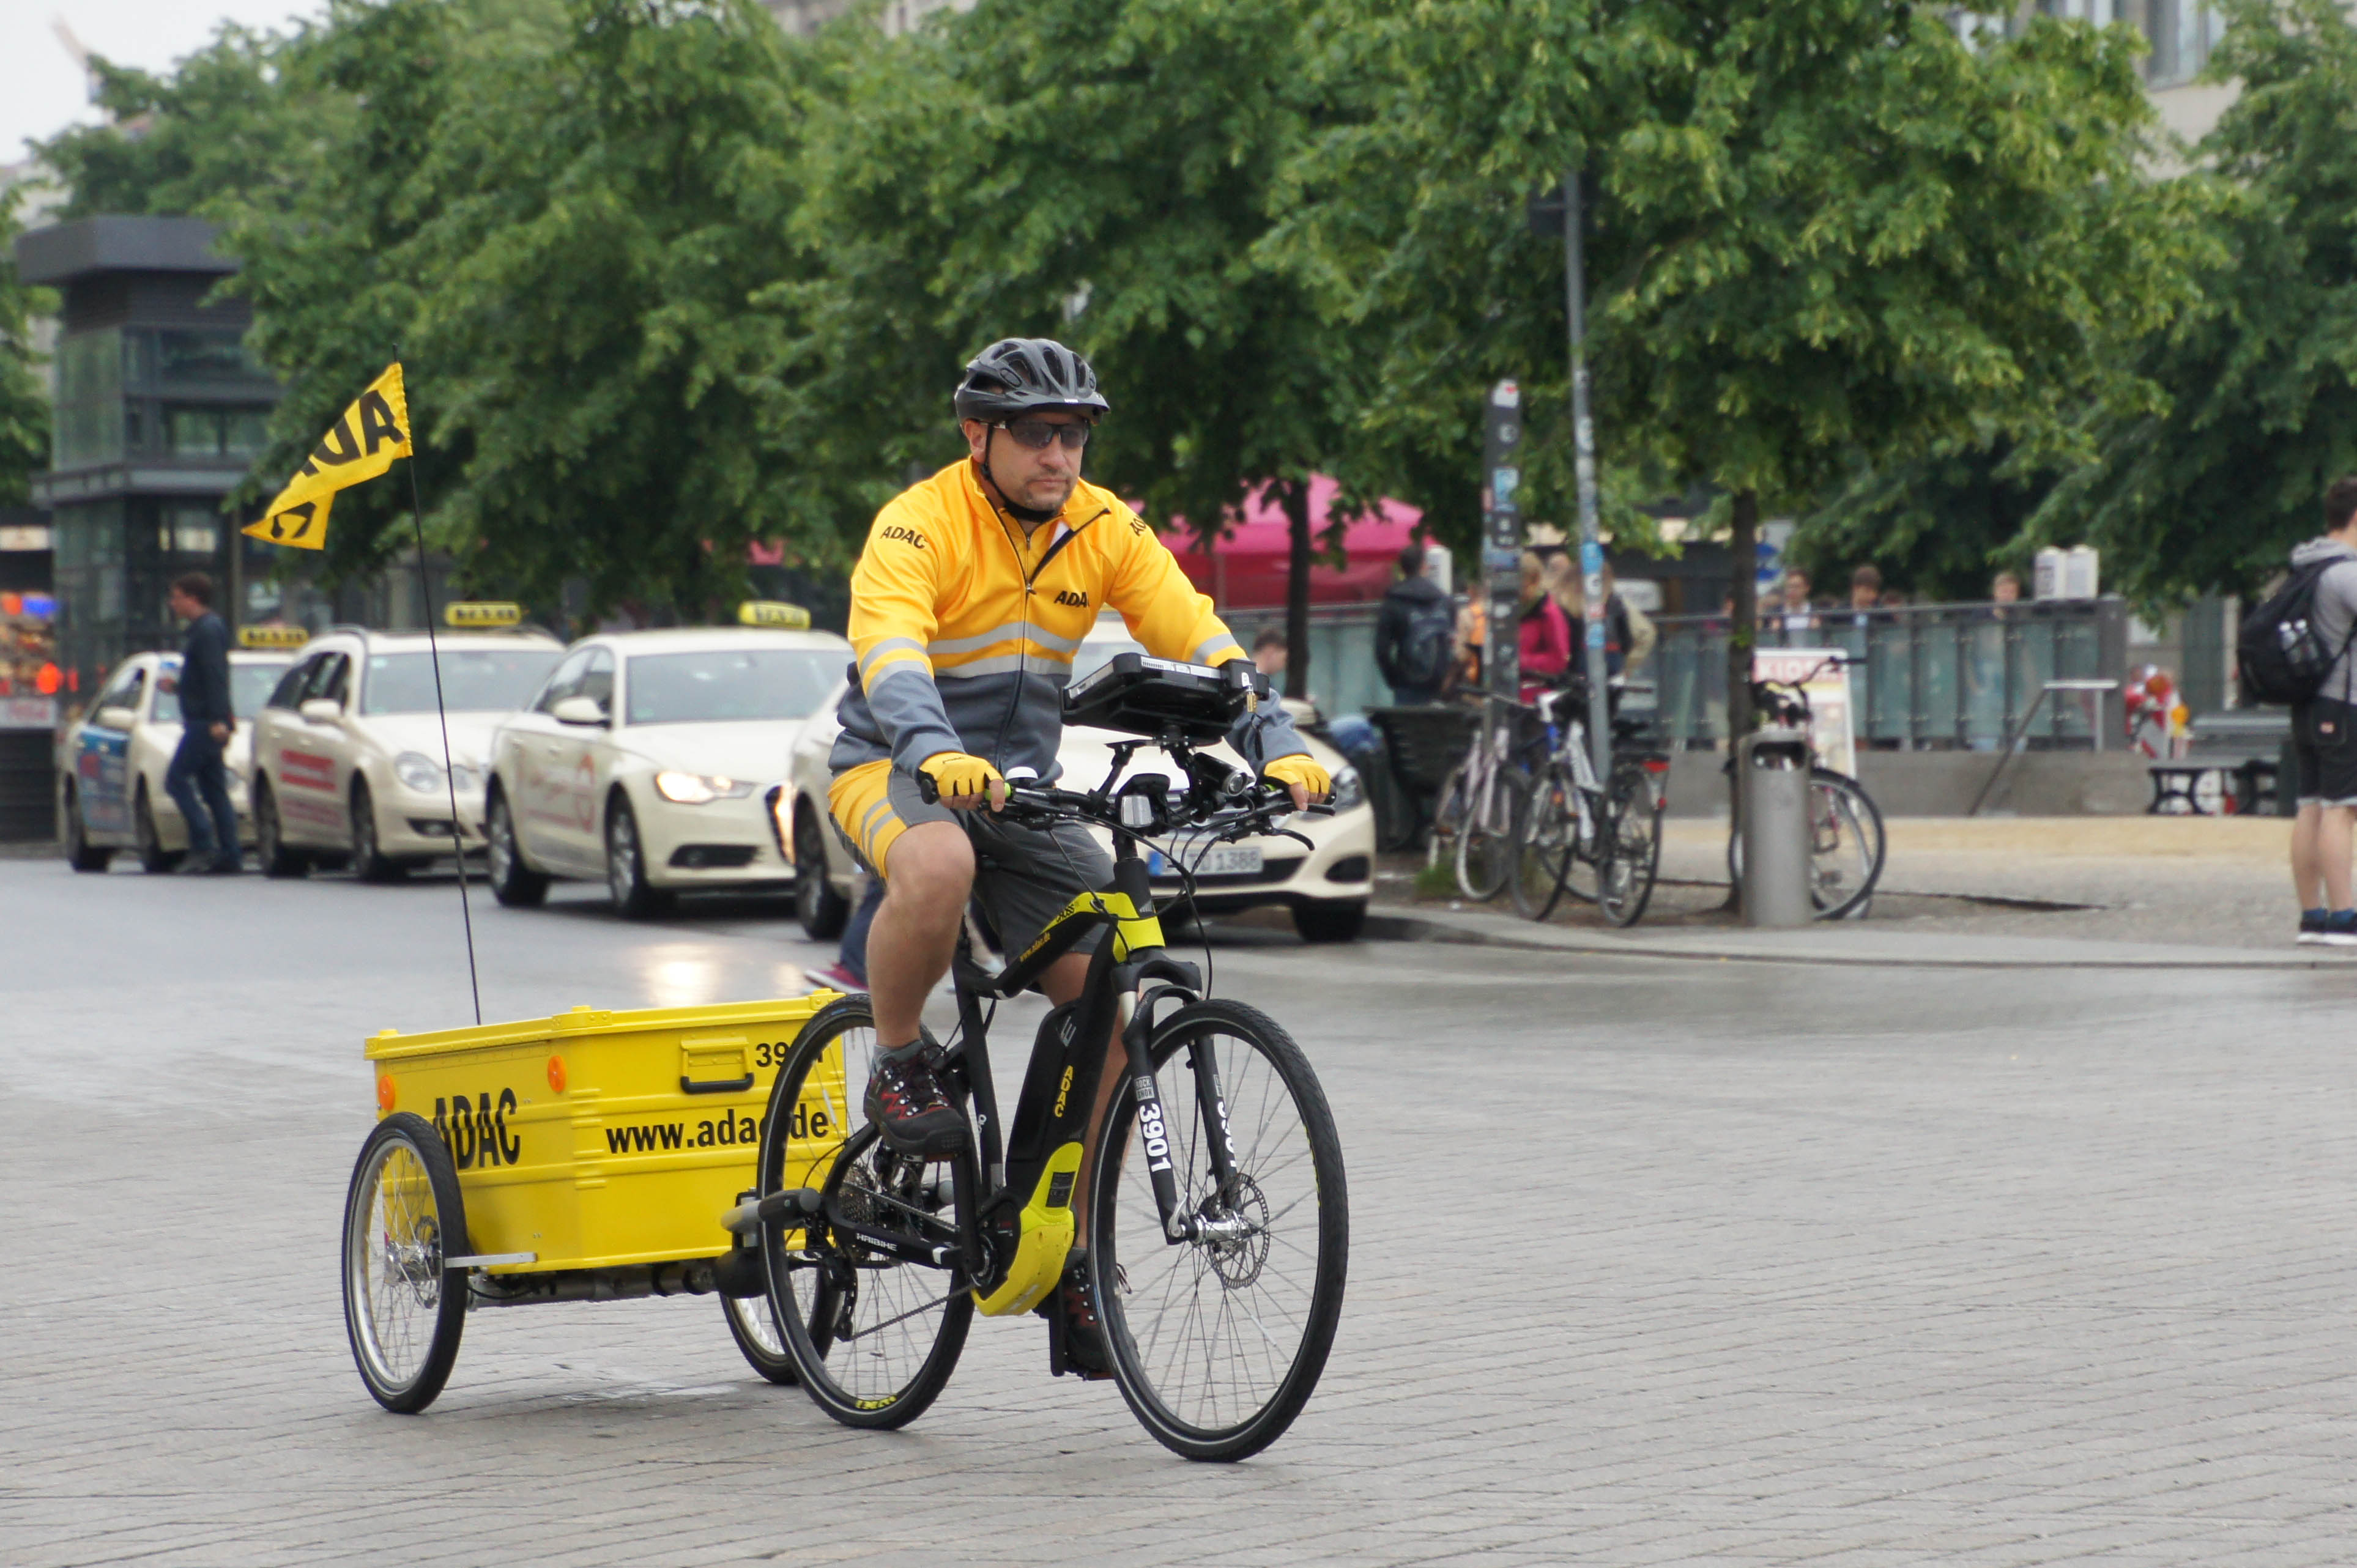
(902, 531)
(1073, 596)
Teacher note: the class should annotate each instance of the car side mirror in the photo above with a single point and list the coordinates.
(577, 711)
(115, 718)
(322, 710)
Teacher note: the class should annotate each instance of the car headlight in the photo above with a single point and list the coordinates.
(695, 789)
(463, 778)
(1350, 790)
(417, 771)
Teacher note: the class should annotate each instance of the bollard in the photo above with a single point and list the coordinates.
(1773, 765)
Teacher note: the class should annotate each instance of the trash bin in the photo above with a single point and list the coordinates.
(1773, 765)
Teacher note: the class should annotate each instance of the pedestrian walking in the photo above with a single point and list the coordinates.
(197, 778)
(1415, 633)
(849, 969)
(2324, 734)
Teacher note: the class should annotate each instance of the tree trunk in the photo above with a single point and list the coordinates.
(1296, 590)
(1743, 635)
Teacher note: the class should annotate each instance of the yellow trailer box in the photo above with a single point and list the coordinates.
(598, 1139)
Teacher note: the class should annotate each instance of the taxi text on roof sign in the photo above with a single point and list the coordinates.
(272, 637)
(770, 612)
(482, 613)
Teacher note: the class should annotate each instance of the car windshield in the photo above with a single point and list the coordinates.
(730, 684)
(249, 686)
(1098, 651)
(474, 679)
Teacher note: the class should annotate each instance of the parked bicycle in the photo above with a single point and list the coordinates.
(1846, 840)
(1217, 1221)
(1474, 816)
(1598, 841)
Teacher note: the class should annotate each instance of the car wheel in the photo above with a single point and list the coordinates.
(81, 853)
(270, 836)
(1331, 921)
(513, 883)
(635, 899)
(821, 910)
(153, 856)
(369, 862)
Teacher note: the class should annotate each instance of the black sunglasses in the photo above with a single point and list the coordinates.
(1037, 433)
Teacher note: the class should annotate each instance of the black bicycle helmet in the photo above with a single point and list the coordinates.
(1016, 376)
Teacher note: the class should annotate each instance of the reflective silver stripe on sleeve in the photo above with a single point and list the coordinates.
(1006, 633)
(1203, 655)
(868, 658)
(1009, 665)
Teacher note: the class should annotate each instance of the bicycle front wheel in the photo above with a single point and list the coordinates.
(1633, 850)
(1485, 846)
(873, 1335)
(1218, 1341)
(1845, 845)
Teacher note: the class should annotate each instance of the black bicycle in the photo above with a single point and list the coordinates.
(1599, 841)
(1218, 1223)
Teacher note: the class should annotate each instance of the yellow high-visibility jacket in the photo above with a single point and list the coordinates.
(964, 628)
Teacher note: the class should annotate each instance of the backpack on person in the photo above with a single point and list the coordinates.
(1428, 644)
(2280, 648)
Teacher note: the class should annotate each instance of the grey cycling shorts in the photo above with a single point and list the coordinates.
(1024, 877)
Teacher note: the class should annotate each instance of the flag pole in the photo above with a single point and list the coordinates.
(442, 714)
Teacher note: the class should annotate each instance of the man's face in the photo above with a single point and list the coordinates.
(2005, 591)
(184, 606)
(1041, 480)
(1864, 596)
(1269, 660)
(1796, 591)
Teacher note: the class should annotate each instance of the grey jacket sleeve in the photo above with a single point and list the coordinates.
(1262, 737)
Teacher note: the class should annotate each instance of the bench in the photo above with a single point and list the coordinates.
(2232, 766)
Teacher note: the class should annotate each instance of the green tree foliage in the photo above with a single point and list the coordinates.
(223, 124)
(1827, 231)
(24, 401)
(2209, 490)
(1938, 527)
(1101, 173)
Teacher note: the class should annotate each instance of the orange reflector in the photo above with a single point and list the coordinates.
(557, 1074)
(384, 1095)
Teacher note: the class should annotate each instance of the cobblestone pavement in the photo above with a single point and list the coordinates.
(1653, 1263)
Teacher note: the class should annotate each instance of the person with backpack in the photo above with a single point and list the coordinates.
(1415, 633)
(2295, 648)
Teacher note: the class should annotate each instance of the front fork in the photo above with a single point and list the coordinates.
(1154, 1140)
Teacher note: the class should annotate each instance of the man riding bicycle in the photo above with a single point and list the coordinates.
(974, 593)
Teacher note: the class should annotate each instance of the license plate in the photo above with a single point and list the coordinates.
(1218, 860)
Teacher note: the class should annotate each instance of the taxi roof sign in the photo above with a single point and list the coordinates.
(482, 614)
(272, 637)
(774, 613)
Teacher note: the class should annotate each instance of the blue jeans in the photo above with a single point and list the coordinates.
(853, 953)
(198, 785)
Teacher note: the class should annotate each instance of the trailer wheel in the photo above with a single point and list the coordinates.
(404, 1309)
(753, 1324)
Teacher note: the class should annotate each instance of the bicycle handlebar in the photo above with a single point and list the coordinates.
(1235, 805)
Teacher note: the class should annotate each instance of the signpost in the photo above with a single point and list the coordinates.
(1502, 539)
(1583, 434)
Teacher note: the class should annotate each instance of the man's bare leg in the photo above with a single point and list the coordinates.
(2332, 839)
(928, 873)
(2306, 873)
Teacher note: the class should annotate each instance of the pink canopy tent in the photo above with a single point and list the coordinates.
(1247, 569)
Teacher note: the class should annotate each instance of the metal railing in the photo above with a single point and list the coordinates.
(1921, 676)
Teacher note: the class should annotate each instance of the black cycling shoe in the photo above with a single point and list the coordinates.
(909, 1106)
(1076, 1343)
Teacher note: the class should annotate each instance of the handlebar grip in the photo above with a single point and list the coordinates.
(928, 790)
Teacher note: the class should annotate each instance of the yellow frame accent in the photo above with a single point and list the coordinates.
(1042, 1245)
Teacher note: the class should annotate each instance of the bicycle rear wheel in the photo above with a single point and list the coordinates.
(873, 1336)
(1485, 847)
(1845, 845)
(1217, 1342)
(1447, 818)
(1633, 851)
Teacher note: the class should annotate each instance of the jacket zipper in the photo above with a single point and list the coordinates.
(1022, 660)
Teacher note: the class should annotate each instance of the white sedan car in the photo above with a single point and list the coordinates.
(642, 762)
(111, 788)
(1326, 886)
(348, 751)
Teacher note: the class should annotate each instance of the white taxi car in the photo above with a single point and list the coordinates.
(111, 786)
(642, 761)
(348, 751)
(1326, 886)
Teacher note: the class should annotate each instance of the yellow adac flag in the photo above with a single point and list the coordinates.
(360, 445)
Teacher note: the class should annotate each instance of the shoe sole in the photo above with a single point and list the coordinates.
(937, 1145)
(2311, 939)
(2335, 940)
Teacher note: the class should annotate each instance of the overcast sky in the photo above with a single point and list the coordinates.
(41, 89)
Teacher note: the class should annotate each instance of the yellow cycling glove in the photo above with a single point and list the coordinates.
(1302, 769)
(958, 774)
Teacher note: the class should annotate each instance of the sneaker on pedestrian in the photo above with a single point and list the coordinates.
(834, 977)
(2311, 926)
(2341, 929)
(227, 864)
(194, 865)
(907, 1104)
